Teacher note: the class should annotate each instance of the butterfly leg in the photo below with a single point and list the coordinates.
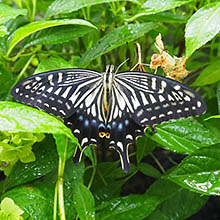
(78, 154)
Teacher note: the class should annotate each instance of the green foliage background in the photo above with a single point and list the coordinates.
(35, 148)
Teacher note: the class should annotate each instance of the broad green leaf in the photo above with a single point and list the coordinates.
(149, 170)
(202, 27)
(128, 208)
(56, 35)
(52, 63)
(68, 6)
(35, 26)
(7, 13)
(73, 176)
(155, 6)
(210, 75)
(107, 182)
(6, 80)
(3, 31)
(144, 146)
(184, 135)
(200, 171)
(116, 38)
(35, 199)
(84, 202)
(137, 206)
(167, 17)
(181, 205)
(22, 118)
(61, 142)
(11, 26)
(88, 153)
(46, 161)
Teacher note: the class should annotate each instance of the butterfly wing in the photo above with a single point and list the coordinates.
(86, 120)
(58, 92)
(152, 99)
(140, 100)
(123, 129)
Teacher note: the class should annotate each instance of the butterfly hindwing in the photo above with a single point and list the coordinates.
(124, 132)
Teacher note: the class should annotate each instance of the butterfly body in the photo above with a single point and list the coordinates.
(115, 107)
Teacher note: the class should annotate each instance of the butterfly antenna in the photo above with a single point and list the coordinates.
(121, 65)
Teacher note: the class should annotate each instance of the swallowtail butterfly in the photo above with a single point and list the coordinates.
(106, 106)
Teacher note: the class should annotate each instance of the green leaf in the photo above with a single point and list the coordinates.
(167, 17)
(73, 176)
(7, 13)
(22, 118)
(35, 199)
(181, 205)
(35, 26)
(210, 75)
(88, 153)
(7, 80)
(116, 38)
(202, 27)
(144, 146)
(84, 202)
(107, 182)
(68, 6)
(200, 171)
(46, 161)
(52, 63)
(155, 6)
(137, 206)
(184, 135)
(11, 26)
(61, 143)
(128, 208)
(56, 35)
(3, 31)
(149, 170)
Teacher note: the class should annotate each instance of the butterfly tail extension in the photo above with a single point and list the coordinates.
(123, 153)
(124, 132)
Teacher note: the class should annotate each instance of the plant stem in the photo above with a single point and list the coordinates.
(55, 204)
(158, 163)
(60, 183)
(94, 168)
(34, 3)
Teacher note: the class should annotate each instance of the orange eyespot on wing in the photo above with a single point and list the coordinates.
(102, 134)
(107, 135)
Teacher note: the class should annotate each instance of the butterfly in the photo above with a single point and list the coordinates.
(107, 106)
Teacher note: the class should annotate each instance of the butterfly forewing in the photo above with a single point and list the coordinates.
(153, 99)
(59, 92)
